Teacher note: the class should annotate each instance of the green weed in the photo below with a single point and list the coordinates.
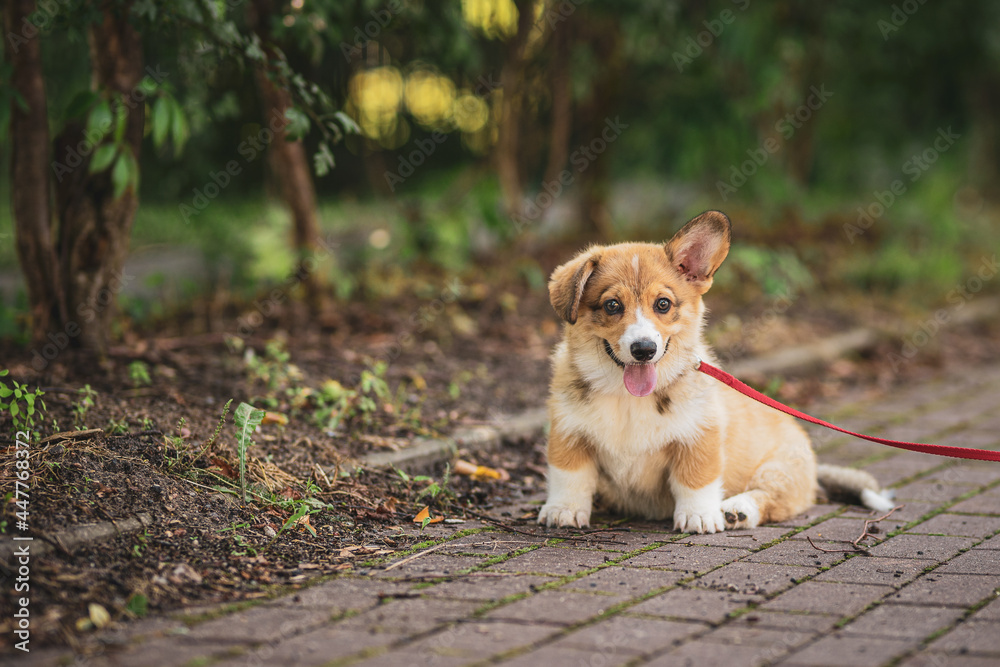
(21, 404)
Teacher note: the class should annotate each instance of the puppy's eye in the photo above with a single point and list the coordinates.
(612, 307)
(662, 305)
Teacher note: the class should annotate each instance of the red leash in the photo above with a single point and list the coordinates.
(939, 450)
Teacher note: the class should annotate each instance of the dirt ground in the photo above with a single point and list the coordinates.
(449, 358)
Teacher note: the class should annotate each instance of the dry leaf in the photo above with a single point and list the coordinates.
(274, 418)
(425, 515)
(480, 473)
(99, 616)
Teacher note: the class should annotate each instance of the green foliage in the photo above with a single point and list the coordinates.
(24, 406)
(247, 420)
(82, 405)
(138, 374)
(137, 605)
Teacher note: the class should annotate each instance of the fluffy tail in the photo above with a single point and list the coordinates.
(859, 484)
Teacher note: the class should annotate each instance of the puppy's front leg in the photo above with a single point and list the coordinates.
(696, 484)
(572, 481)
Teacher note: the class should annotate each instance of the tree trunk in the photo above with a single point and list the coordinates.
(289, 162)
(94, 225)
(605, 37)
(30, 194)
(562, 102)
(512, 114)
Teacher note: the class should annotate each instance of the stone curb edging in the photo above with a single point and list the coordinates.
(75, 537)
(426, 453)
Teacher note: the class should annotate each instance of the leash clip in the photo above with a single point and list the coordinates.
(697, 362)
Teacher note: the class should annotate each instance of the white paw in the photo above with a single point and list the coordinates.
(741, 511)
(699, 520)
(561, 515)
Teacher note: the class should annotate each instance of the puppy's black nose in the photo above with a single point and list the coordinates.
(643, 350)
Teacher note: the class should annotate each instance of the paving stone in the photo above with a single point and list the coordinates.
(827, 598)
(556, 607)
(992, 543)
(848, 650)
(342, 594)
(908, 511)
(742, 635)
(746, 539)
(901, 466)
(260, 624)
(561, 656)
(686, 558)
(922, 546)
(958, 524)
(785, 620)
(709, 652)
(797, 552)
(431, 564)
(903, 621)
(161, 652)
(934, 492)
(991, 612)
(694, 604)
(809, 516)
(874, 570)
(410, 658)
(981, 637)
(492, 544)
(476, 586)
(754, 578)
(959, 590)
(628, 635)
(987, 502)
(477, 640)
(627, 581)
(837, 529)
(632, 540)
(977, 561)
(554, 561)
(935, 659)
(409, 616)
(968, 473)
(318, 647)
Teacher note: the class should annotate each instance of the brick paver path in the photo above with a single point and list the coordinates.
(925, 593)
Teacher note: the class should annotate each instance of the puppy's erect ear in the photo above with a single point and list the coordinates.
(568, 282)
(697, 250)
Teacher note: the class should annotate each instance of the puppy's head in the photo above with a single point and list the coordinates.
(629, 301)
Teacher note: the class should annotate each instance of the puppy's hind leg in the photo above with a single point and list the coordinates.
(743, 509)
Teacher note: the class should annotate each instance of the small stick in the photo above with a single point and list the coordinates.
(415, 556)
(856, 542)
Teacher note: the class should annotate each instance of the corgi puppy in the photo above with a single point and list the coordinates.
(633, 422)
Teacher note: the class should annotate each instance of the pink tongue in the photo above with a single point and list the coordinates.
(640, 379)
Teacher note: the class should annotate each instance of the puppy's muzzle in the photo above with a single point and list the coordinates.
(643, 350)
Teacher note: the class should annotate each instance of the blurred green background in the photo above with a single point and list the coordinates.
(855, 145)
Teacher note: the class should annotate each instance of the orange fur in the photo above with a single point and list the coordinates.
(693, 449)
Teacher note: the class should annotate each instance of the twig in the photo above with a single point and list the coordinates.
(855, 543)
(415, 556)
